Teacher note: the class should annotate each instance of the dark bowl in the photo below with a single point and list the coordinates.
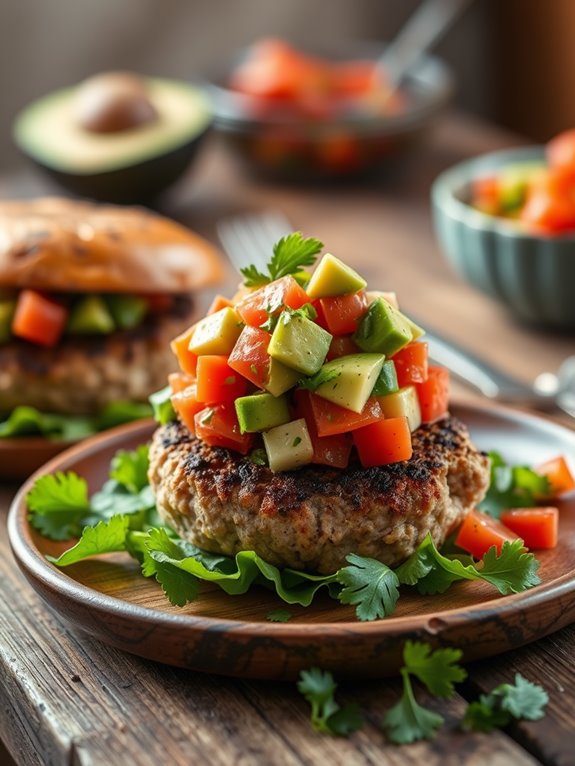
(142, 163)
(347, 145)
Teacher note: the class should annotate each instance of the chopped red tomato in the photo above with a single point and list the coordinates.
(433, 394)
(219, 302)
(485, 194)
(383, 442)
(256, 307)
(342, 313)
(272, 69)
(341, 345)
(537, 527)
(559, 474)
(186, 405)
(479, 532)
(39, 319)
(332, 419)
(218, 426)
(411, 364)
(550, 205)
(327, 450)
(340, 151)
(187, 360)
(180, 380)
(560, 150)
(249, 356)
(354, 78)
(217, 382)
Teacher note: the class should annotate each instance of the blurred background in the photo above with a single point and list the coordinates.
(508, 56)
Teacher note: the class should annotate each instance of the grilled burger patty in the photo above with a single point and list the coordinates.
(83, 373)
(312, 518)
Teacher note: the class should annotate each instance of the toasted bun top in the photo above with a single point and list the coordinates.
(63, 245)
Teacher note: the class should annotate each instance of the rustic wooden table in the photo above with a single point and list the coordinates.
(67, 699)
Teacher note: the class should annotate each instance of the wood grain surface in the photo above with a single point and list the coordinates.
(66, 698)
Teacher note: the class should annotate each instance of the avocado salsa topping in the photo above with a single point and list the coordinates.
(306, 367)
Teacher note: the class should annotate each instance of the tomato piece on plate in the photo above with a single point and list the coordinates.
(560, 151)
(433, 394)
(249, 356)
(342, 345)
(178, 381)
(255, 308)
(218, 426)
(186, 405)
(332, 419)
(187, 360)
(411, 364)
(383, 442)
(558, 473)
(327, 450)
(341, 313)
(217, 382)
(479, 532)
(537, 527)
(39, 319)
(219, 302)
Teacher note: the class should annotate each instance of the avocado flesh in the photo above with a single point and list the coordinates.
(217, 333)
(288, 446)
(333, 277)
(299, 343)
(260, 412)
(90, 316)
(7, 309)
(280, 378)
(384, 329)
(354, 378)
(386, 382)
(127, 310)
(47, 131)
(403, 403)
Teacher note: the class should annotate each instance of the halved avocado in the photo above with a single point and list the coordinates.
(123, 162)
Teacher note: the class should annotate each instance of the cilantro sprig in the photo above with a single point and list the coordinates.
(512, 487)
(327, 717)
(521, 700)
(291, 254)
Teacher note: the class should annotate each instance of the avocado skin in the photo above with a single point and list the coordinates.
(137, 184)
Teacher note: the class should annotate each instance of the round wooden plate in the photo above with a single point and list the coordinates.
(20, 456)
(107, 598)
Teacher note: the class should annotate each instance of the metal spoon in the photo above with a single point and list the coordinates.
(548, 391)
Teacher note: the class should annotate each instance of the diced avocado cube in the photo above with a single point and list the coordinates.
(404, 403)
(127, 310)
(383, 329)
(390, 297)
(7, 309)
(386, 382)
(416, 330)
(280, 378)
(260, 412)
(299, 343)
(217, 333)
(350, 379)
(333, 277)
(288, 446)
(90, 316)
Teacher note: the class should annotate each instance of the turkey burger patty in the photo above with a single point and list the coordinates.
(314, 517)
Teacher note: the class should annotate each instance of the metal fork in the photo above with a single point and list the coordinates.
(248, 239)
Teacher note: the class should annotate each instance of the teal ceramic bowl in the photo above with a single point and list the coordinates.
(532, 275)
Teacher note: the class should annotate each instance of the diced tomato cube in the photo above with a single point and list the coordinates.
(342, 313)
(218, 426)
(180, 380)
(479, 532)
(249, 356)
(217, 382)
(341, 345)
(537, 527)
(383, 442)
(219, 302)
(559, 474)
(332, 419)
(411, 364)
(255, 308)
(186, 405)
(39, 319)
(327, 450)
(433, 394)
(180, 346)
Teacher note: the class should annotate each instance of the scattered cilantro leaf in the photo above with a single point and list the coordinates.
(315, 381)
(369, 584)
(105, 537)
(290, 254)
(513, 571)
(179, 587)
(162, 406)
(521, 700)
(58, 504)
(512, 487)
(130, 469)
(437, 670)
(327, 717)
(408, 721)
(306, 311)
(279, 615)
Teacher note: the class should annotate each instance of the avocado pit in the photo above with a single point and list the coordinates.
(112, 102)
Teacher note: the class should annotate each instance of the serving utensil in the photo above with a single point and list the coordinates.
(248, 239)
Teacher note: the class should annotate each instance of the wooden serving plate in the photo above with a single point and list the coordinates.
(107, 598)
(20, 456)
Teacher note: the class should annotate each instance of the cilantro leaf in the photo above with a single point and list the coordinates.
(279, 615)
(130, 469)
(512, 571)
(105, 537)
(369, 584)
(58, 504)
(512, 487)
(327, 717)
(437, 670)
(522, 700)
(408, 721)
(290, 254)
(162, 407)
